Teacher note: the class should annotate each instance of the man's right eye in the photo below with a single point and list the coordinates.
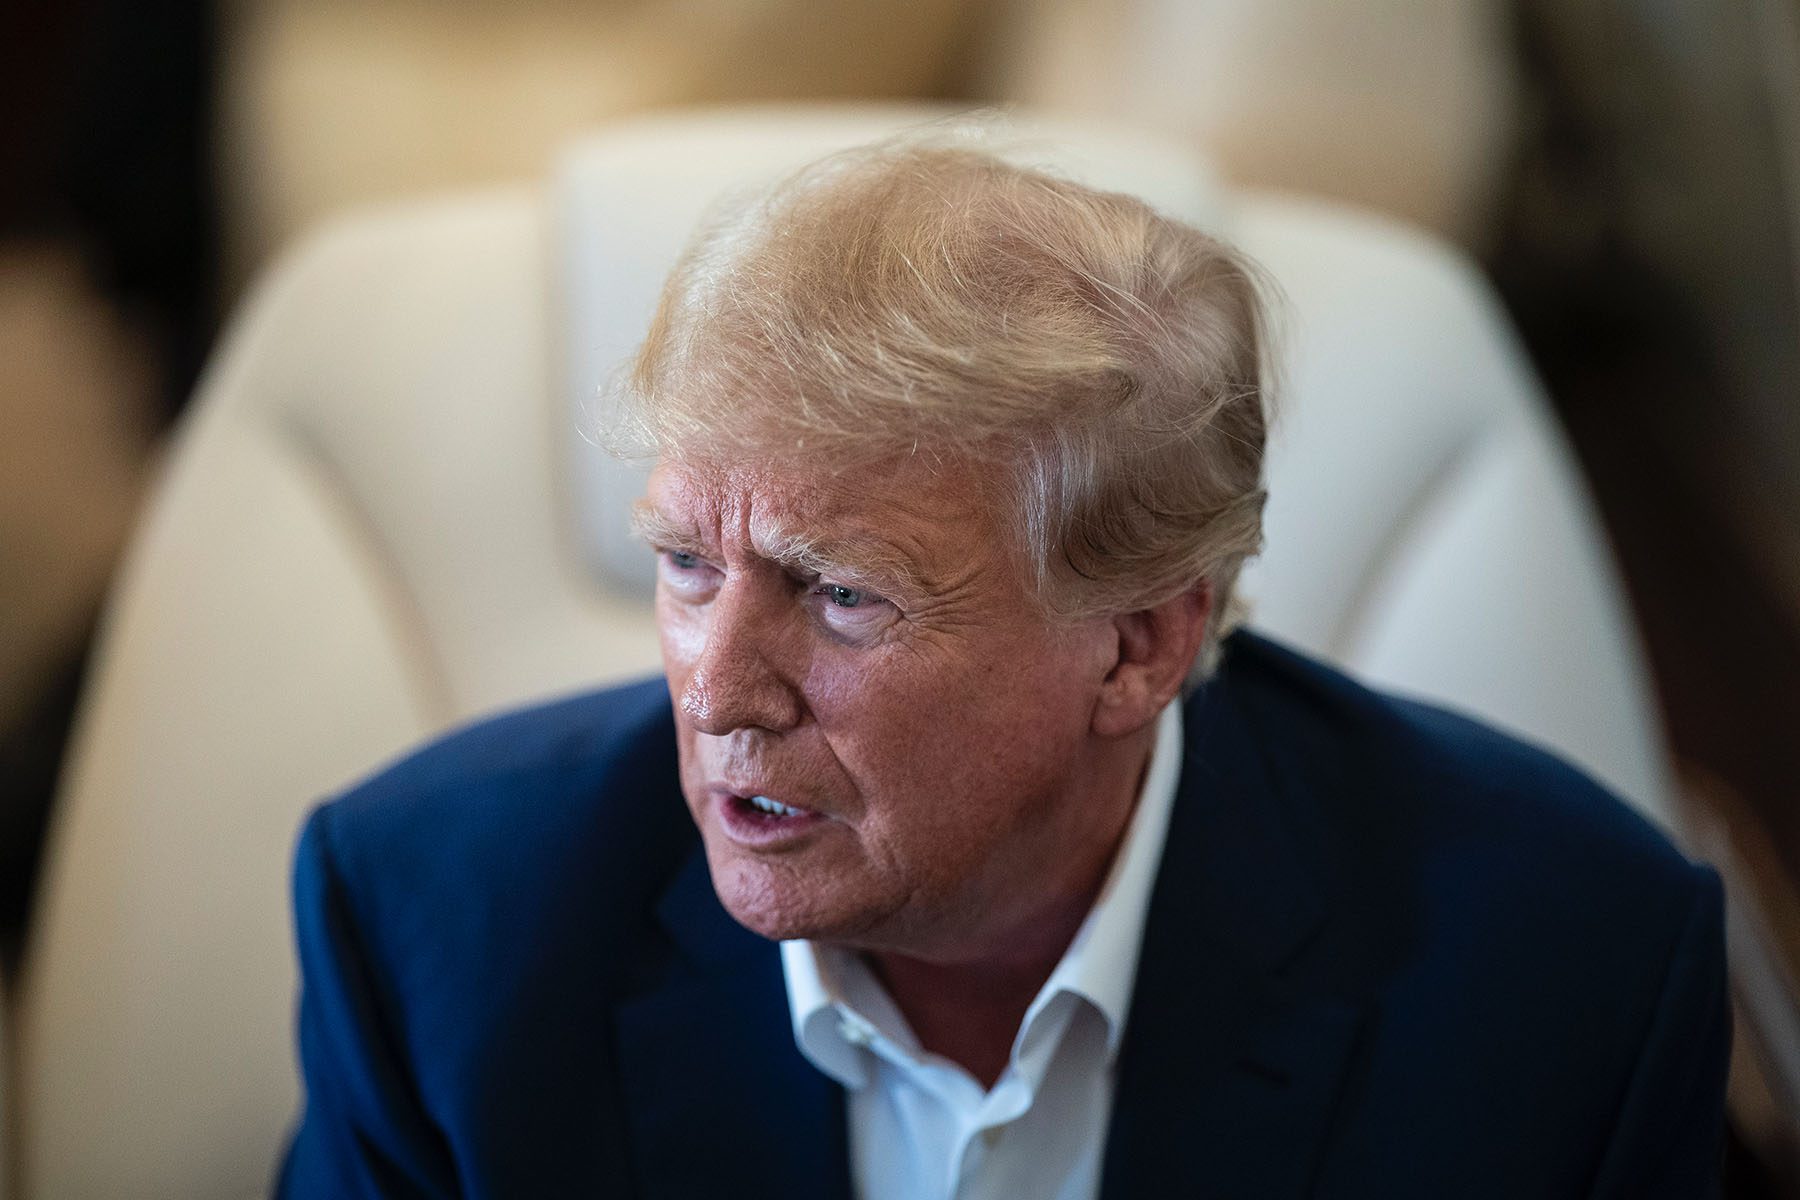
(685, 573)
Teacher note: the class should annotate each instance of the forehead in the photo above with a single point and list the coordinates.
(906, 483)
(931, 515)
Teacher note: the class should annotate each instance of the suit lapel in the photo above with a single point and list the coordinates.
(718, 1097)
(1229, 1070)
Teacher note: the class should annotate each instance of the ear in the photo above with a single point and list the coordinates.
(1156, 649)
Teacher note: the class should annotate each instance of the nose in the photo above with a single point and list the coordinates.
(735, 681)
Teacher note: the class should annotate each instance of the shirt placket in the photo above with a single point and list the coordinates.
(983, 1136)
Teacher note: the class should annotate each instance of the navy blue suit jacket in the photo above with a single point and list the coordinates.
(1389, 953)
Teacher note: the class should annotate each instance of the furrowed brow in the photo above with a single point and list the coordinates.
(658, 529)
(855, 558)
(852, 557)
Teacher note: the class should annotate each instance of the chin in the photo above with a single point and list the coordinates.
(773, 904)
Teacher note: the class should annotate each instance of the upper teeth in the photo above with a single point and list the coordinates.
(774, 806)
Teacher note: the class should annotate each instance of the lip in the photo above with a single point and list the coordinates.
(749, 827)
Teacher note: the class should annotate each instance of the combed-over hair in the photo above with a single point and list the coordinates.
(915, 297)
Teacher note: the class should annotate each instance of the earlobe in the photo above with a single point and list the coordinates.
(1156, 648)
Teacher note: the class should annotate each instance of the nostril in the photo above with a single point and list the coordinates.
(733, 686)
(697, 703)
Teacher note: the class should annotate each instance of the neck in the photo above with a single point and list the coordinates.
(968, 1005)
(970, 1012)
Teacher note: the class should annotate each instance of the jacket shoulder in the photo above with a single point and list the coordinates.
(553, 767)
(540, 739)
(1497, 916)
(465, 919)
(1450, 785)
(543, 818)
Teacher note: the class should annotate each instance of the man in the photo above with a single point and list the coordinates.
(957, 465)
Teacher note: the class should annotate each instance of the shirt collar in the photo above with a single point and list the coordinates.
(838, 1010)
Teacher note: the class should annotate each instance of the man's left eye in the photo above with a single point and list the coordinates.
(844, 597)
(852, 614)
(852, 610)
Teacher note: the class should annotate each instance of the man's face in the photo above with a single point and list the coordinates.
(883, 741)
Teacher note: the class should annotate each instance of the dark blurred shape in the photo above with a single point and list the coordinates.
(34, 87)
(140, 171)
(1744, 1178)
(30, 757)
(1650, 261)
(129, 116)
(108, 235)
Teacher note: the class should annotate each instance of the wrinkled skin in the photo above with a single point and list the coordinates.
(968, 766)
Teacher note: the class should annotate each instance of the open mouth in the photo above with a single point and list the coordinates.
(765, 822)
(767, 809)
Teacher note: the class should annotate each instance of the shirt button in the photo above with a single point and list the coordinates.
(990, 1137)
(855, 1032)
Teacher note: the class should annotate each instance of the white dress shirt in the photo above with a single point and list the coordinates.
(921, 1127)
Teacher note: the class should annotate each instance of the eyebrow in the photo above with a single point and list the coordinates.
(853, 557)
(654, 526)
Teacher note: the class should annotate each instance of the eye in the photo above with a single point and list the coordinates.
(686, 574)
(852, 613)
(844, 597)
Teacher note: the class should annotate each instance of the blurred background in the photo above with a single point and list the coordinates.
(1627, 172)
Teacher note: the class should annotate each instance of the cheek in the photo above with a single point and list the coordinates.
(683, 636)
(681, 629)
(876, 706)
(919, 737)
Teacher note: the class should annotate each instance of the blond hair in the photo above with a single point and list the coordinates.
(915, 297)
